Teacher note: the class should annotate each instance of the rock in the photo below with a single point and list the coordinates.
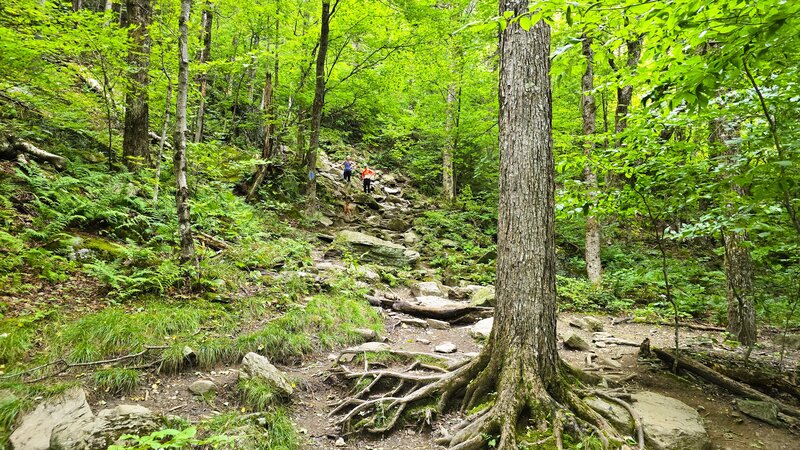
(340, 443)
(578, 323)
(257, 366)
(398, 225)
(388, 179)
(574, 342)
(484, 296)
(391, 190)
(107, 427)
(426, 288)
(488, 257)
(593, 323)
(201, 387)
(669, 424)
(482, 329)
(463, 292)
(370, 248)
(189, 356)
(414, 322)
(369, 347)
(423, 341)
(608, 363)
(367, 200)
(615, 413)
(763, 411)
(445, 347)
(324, 221)
(448, 243)
(366, 333)
(438, 324)
(35, 429)
(410, 237)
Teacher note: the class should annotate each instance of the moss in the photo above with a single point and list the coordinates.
(105, 247)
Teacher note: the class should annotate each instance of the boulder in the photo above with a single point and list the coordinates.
(574, 342)
(257, 366)
(578, 323)
(389, 179)
(324, 221)
(410, 238)
(485, 296)
(398, 225)
(669, 424)
(107, 427)
(201, 387)
(445, 347)
(791, 340)
(463, 292)
(391, 190)
(437, 324)
(482, 329)
(367, 200)
(593, 323)
(366, 333)
(35, 429)
(763, 411)
(426, 288)
(370, 248)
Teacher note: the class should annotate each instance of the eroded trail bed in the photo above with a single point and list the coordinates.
(727, 428)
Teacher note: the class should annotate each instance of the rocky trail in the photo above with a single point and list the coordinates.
(677, 411)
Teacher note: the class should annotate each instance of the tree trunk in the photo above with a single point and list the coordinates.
(739, 284)
(179, 161)
(316, 109)
(204, 57)
(594, 267)
(163, 140)
(448, 178)
(625, 93)
(136, 140)
(268, 142)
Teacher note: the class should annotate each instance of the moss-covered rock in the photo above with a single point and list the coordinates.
(372, 249)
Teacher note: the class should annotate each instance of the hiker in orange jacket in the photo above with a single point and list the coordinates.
(367, 175)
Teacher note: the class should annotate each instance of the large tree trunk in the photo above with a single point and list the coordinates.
(136, 140)
(625, 93)
(179, 161)
(268, 142)
(594, 267)
(316, 109)
(205, 56)
(739, 284)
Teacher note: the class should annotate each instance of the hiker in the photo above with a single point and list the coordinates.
(367, 175)
(349, 166)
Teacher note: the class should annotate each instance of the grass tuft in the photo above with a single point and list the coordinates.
(116, 380)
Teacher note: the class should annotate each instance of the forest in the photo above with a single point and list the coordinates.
(399, 224)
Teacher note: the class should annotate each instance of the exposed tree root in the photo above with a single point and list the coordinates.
(522, 404)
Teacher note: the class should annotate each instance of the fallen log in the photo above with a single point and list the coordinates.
(714, 377)
(16, 150)
(436, 308)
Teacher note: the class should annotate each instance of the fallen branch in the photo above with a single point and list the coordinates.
(213, 242)
(65, 365)
(723, 381)
(15, 150)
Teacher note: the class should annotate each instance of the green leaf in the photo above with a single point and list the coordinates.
(569, 15)
(525, 22)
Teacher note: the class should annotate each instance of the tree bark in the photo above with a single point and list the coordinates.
(625, 93)
(739, 288)
(316, 108)
(136, 142)
(179, 161)
(268, 142)
(448, 178)
(204, 57)
(594, 267)
(163, 138)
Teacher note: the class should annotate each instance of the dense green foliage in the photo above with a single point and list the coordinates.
(88, 269)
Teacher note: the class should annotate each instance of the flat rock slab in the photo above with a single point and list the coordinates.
(35, 428)
(763, 411)
(669, 424)
(485, 296)
(369, 347)
(201, 387)
(445, 347)
(434, 307)
(574, 342)
(426, 289)
(482, 329)
(371, 248)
